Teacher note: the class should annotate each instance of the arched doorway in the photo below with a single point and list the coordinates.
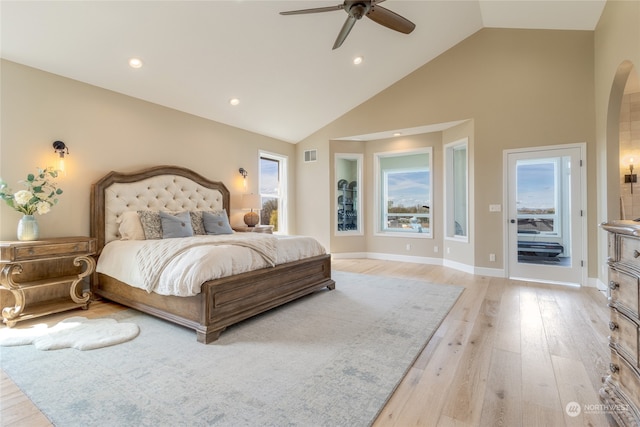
(620, 144)
(629, 144)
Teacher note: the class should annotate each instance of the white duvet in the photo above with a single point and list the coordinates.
(196, 262)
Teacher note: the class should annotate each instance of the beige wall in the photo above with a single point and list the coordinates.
(522, 88)
(617, 55)
(108, 131)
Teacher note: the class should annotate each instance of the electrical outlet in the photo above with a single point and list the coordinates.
(448, 250)
(408, 246)
(492, 257)
(435, 249)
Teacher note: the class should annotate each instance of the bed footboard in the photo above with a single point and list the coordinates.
(226, 301)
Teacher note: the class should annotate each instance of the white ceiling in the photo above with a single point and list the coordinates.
(199, 54)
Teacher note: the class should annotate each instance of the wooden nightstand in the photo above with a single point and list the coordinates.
(44, 276)
(257, 229)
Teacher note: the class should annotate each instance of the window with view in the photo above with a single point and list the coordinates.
(538, 191)
(273, 191)
(456, 191)
(404, 192)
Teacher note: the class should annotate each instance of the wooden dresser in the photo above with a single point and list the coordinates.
(620, 390)
(44, 276)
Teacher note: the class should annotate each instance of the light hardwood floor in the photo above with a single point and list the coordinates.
(509, 353)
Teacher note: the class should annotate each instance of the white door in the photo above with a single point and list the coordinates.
(545, 215)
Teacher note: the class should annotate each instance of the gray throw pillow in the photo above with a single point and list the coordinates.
(216, 222)
(196, 220)
(151, 224)
(178, 225)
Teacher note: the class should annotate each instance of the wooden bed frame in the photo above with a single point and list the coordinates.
(222, 302)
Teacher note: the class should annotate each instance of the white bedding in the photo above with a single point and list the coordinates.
(184, 274)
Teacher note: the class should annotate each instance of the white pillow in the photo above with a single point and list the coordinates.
(130, 226)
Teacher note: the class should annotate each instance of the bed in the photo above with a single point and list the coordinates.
(218, 302)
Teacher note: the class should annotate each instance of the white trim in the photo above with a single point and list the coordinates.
(580, 253)
(387, 257)
(405, 258)
(476, 271)
(595, 282)
(491, 272)
(550, 282)
(283, 218)
(377, 189)
(358, 208)
(458, 266)
(447, 174)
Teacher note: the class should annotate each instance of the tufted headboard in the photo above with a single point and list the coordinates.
(170, 188)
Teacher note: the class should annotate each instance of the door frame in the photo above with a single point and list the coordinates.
(581, 252)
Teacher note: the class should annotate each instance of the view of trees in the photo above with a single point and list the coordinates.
(407, 209)
(269, 213)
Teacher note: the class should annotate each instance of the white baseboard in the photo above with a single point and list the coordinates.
(597, 283)
(388, 257)
(478, 271)
(491, 272)
(458, 266)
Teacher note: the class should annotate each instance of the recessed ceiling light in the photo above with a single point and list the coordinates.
(234, 101)
(135, 63)
(358, 60)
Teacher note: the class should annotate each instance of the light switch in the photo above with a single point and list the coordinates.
(495, 208)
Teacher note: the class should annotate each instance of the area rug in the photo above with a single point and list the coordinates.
(332, 358)
(74, 332)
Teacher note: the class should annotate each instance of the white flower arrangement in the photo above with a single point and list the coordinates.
(40, 195)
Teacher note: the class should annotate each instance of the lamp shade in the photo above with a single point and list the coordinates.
(251, 201)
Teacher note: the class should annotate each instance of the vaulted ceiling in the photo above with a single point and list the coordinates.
(198, 55)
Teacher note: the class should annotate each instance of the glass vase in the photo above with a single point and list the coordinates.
(28, 228)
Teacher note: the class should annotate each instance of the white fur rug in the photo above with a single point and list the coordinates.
(75, 332)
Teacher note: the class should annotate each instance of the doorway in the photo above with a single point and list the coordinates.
(546, 220)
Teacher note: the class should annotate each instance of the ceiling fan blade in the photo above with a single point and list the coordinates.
(314, 10)
(390, 19)
(344, 32)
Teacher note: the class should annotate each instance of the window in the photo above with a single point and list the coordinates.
(273, 191)
(538, 186)
(456, 190)
(403, 185)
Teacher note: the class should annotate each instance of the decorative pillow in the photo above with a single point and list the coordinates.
(176, 225)
(130, 227)
(151, 224)
(196, 220)
(216, 222)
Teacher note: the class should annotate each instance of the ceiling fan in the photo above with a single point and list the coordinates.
(356, 9)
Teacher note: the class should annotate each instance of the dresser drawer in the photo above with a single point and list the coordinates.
(625, 376)
(629, 249)
(624, 336)
(52, 248)
(624, 292)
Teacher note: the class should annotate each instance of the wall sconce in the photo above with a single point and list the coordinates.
(244, 174)
(60, 148)
(631, 177)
